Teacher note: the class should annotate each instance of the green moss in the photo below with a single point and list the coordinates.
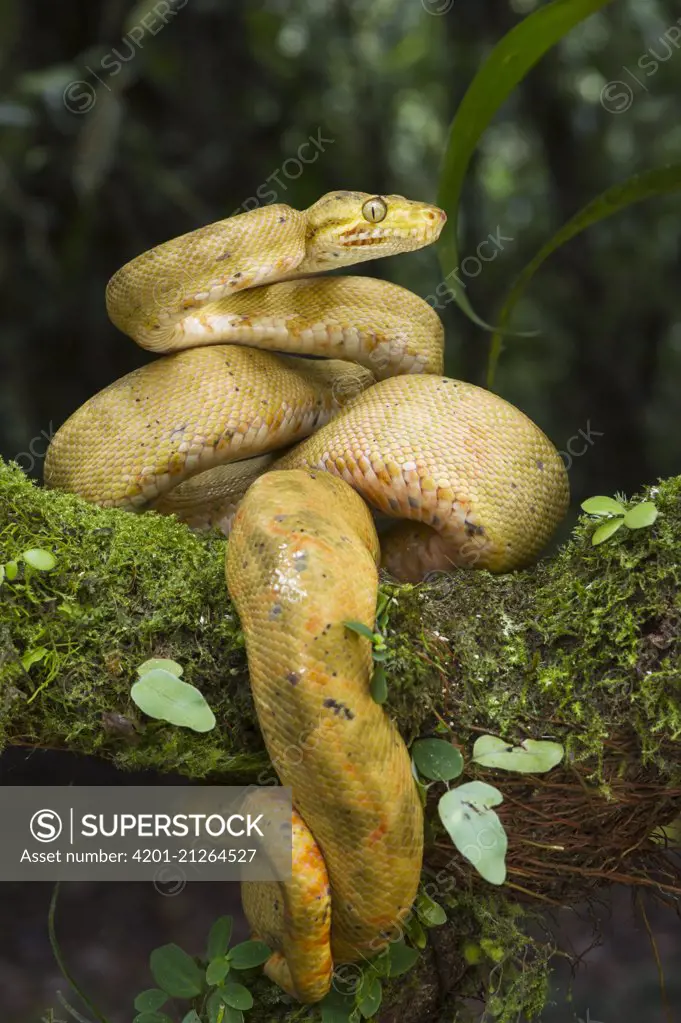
(586, 642)
(511, 978)
(118, 595)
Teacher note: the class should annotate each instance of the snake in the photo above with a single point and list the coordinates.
(299, 411)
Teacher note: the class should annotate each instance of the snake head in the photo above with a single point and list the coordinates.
(349, 227)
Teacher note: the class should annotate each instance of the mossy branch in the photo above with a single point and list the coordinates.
(583, 648)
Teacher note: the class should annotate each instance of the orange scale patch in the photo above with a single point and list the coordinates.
(378, 833)
(304, 541)
(310, 858)
(315, 678)
(314, 624)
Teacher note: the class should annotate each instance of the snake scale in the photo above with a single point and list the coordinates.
(475, 482)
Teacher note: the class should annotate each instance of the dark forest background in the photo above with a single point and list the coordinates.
(124, 124)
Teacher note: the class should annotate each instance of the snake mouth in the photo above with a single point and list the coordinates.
(353, 243)
(358, 237)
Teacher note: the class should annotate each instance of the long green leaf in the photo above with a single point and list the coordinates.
(646, 185)
(507, 65)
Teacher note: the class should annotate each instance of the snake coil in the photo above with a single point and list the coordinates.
(375, 423)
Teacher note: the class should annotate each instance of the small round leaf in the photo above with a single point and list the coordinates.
(44, 561)
(602, 506)
(475, 829)
(641, 515)
(337, 1007)
(219, 937)
(219, 1012)
(150, 1000)
(249, 954)
(402, 958)
(176, 972)
(33, 656)
(472, 953)
(371, 996)
(11, 570)
(530, 757)
(216, 1008)
(236, 995)
(167, 698)
(160, 662)
(428, 911)
(437, 759)
(217, 970)
(605, 531)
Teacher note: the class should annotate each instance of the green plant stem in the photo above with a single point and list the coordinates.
(68, 977)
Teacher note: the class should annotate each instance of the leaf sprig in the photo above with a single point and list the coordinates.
(615, 515)
(208, 982)
(466, 811)
(379, 648)
(35, 557)
(160, 693)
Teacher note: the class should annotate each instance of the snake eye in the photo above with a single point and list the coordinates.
(374, 210)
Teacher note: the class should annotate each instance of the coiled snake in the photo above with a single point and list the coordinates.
(476, 481)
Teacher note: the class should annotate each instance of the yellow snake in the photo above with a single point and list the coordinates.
(476, 481)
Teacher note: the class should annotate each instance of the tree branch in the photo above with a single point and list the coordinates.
(582, 648)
